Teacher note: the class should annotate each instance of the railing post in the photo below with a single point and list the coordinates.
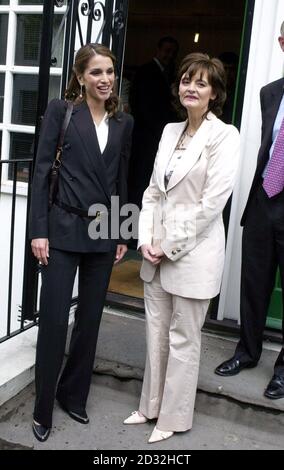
(108, 23)
(69, 46)
(30, 277)
(119, 28)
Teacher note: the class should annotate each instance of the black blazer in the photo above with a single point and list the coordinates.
(87, 176)
(270, 99)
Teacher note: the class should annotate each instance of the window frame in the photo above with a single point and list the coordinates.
(9, 69)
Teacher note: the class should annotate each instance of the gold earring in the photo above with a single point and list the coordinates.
(81, 91)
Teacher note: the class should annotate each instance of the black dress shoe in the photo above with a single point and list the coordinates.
(79, 417)
(275, 388)
(233, 366)
(40, 432)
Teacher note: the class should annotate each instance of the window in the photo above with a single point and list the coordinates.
(3, 37)
(21, 147)
(57, 49)
(30, 2)
(54, 88)
(28, 40)
(2, 81)
(19, 62)
(25, 97)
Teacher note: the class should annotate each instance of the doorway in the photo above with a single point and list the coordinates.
(211, 26)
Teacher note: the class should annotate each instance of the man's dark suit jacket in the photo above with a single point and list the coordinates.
(150, 99)
(151, 107)
(87, 176)
(270, 99)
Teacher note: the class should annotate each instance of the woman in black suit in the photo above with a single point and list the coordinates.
(94, 168)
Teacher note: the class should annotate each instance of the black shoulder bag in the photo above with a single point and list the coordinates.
(54, 171)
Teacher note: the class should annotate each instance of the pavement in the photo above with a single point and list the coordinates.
(231, 413)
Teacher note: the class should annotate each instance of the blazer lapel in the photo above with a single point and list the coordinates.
(274, 97)
(83, 122)
(166, 153)
(193, 152)
(113, 137)
(274, 103)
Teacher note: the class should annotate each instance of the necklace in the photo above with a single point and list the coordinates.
(196, 127)
(190, 133)
(183, 140)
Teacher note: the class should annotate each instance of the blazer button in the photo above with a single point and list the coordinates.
(178, 250)
(174, 252)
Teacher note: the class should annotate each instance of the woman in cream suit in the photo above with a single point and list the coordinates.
(181, 237)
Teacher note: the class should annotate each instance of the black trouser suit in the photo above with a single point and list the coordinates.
(56, 294)
(262, 253)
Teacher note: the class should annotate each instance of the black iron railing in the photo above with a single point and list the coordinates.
(8, 312)
(109, 20)
(11, 314)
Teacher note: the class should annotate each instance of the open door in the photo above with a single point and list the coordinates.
(217, 27)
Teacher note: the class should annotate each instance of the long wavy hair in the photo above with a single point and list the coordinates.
(199, 63)
(82, 59)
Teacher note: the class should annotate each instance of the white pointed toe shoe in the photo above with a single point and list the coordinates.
(158, 435)
(135, 418)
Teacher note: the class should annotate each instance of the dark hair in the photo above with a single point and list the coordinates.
(82, 59)
(229, 58)
(167, 40)
(197, 62)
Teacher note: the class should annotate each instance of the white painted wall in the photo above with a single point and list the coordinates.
(265, 65)
(20, 224)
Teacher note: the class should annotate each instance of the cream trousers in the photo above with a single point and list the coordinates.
(173, 336)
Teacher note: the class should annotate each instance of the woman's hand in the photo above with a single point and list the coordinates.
(152, 254)
(120, 252)
(40, 249)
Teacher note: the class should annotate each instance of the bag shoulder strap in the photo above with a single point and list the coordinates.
(65, 124)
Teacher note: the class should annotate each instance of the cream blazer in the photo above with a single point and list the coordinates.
(186, 218)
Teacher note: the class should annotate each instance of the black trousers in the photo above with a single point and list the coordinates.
(262, 254)
(56, 294)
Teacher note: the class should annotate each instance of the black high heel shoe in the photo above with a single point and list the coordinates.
(40, 432)
(80, 418)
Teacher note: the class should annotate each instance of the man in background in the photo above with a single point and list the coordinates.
(151, 106)
(230, 61)
(263, 240)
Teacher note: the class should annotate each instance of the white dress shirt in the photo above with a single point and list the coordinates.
(277, 125)
(102, 132)
(276, 129)
(177, 156)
